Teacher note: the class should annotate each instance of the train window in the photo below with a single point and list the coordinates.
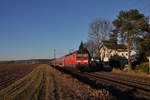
(85, 55)
(82, 55)
(79, 55)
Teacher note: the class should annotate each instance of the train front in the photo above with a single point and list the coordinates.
(82, 60)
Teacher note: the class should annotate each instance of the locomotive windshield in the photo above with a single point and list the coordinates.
(82, 56)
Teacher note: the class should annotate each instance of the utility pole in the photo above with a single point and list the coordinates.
(55, 56)
(49, 55)
(71, 50)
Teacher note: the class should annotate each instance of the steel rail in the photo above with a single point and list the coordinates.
(121, 85)
(126, 79)
(119, 81)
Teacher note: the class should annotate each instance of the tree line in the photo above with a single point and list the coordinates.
(130, 28)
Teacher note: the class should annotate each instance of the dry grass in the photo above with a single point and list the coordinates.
(133, 73)
(70, 88)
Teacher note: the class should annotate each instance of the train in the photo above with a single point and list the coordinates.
(77, 59)
(80, 60)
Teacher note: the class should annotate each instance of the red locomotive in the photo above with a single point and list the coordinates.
(78, 59)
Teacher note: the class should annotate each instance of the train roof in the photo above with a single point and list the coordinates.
(78, 51)
(72, 53)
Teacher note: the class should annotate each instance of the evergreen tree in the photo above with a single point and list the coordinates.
(130, 25)
(143, 45)
(81, 47)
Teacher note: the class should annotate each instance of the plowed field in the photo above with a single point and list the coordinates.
(9, 73)
(45, 83)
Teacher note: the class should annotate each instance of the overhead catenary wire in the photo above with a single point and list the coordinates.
(137, 2)
(145, 7)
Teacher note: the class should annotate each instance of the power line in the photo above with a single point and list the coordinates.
(145, 7)
(133, 3)
(137, 2)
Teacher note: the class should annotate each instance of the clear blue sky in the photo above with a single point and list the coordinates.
(33, 28)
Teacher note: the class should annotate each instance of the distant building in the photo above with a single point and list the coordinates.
(109, 50)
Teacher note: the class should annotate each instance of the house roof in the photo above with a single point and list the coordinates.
(121, 46)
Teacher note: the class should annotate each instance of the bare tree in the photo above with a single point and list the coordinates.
(90, 45)
(100, 30)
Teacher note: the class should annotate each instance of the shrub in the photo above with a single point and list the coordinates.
(143, 67)
(117, 61)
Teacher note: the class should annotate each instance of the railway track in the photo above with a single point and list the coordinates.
(124, 88)
(137, 82)
(140, 89)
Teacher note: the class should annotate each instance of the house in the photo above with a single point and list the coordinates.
(109, 50)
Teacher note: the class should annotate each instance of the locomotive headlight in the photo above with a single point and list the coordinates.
(82, 61)
(85, 60)
(78, 61)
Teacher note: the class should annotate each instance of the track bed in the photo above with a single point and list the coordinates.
(124, 87)
(62, 86)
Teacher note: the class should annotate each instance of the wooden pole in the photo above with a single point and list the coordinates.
(55, 57)
(149, 63)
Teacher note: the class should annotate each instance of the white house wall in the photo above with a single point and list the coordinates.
(107, 53)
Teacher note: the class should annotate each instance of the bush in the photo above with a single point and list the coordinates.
(117, 61)
(143, 68)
